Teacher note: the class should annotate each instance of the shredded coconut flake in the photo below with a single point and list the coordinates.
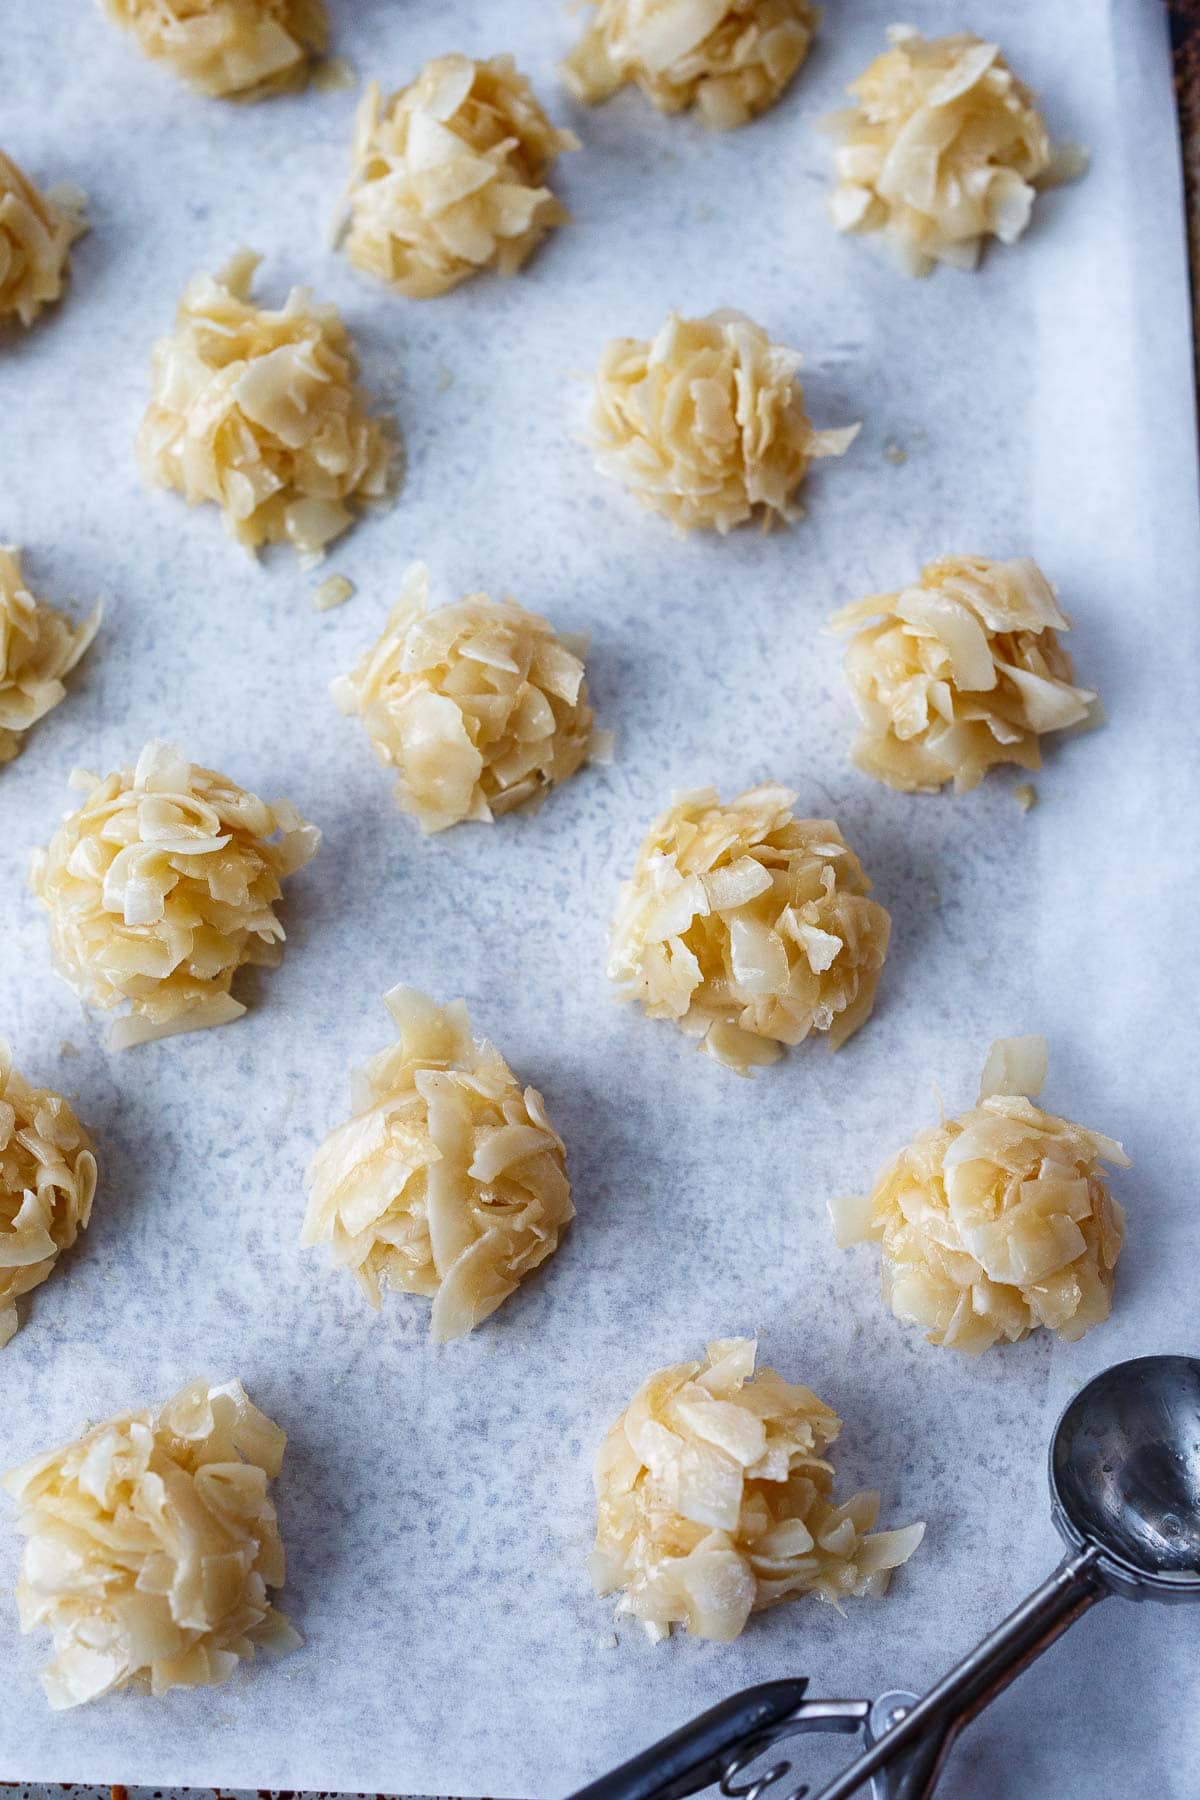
(730, 58)
(151, 1547)
(231, 49)
(959, 672)
(706, 423)
(943, 148)
(47, 1183)
(258, 410)
(38, 646)
(997, 1222)
(162, 886)
(748, 927)
(449, 177)
(449, 1180)
(479, 707)
(714, 1500)
(335, 590)
(36, 234)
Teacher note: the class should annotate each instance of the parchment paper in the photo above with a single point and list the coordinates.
(437, 1505)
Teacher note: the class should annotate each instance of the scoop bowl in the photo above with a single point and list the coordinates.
(1125, 1475)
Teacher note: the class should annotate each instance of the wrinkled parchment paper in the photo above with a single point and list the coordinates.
(437, 1504)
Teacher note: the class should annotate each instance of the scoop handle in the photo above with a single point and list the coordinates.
(914, 1751)
(694, 1756)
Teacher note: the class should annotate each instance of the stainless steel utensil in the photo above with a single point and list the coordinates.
(1125, 1497)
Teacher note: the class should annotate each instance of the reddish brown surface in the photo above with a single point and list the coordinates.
(1185, 19)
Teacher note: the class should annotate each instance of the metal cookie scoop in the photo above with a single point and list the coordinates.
(1125, 1496)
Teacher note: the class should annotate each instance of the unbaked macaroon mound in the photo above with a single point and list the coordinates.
(959, 672)
(161, 886)
(230, 49)
(449, 1179)
(479, 706)
(152, 1546)
(47, 1184)
(714, 1499)
(258, 410)
(748, 927)
(705, 423)
(731, 59)
(449, 177)
(36, 234)
(38, 646)
(999, 1221)
(943, 148)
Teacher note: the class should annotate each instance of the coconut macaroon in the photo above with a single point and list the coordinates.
(36, 234)
(47, 1184)
(750, 928)
(999, 1221)
(958, 672)
(38, 646)
(479, 706)
(714, 1499)
(151, 1547)
(258, 410)
(705, 423)
(449, 177)
(449, 1179)
(230, 49)
(942, 149)
(731, 59)
(162, 886)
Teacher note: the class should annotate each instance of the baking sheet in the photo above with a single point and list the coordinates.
(436, 1504)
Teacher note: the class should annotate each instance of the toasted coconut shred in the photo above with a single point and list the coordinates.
(748, 927)
(36, 234)
(731, 59)
(47, 1184)
(449, 1180)
(997, 1222)
(943, 148)
(449, 177)
(959, 672)
(231, 49)
(162, 886)
(479, 707)
(258, 410)
(38, 646)
(706, 423)
(715, 1499)
(151, 1547)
